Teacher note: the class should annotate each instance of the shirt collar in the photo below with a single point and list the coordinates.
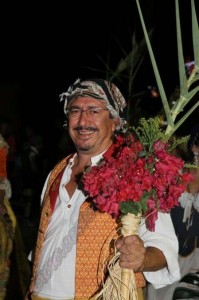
(94, 159)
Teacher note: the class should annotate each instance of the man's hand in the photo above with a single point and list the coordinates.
(132, 253)
(136, 257)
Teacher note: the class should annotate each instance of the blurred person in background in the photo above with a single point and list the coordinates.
(7, 221)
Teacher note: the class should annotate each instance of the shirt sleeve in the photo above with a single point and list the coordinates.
(163, 238)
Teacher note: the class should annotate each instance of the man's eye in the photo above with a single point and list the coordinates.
(93, 111)
(74, 111)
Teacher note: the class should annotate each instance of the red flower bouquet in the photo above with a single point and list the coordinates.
(137, 176)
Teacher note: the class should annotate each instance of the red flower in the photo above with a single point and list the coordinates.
(147, 182)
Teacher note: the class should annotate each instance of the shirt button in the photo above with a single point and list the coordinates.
(69, 206)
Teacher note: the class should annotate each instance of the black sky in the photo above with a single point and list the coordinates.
(45, 47)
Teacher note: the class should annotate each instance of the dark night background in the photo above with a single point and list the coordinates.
(45, 47)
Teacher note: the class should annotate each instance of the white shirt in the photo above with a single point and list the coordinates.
(56, 269)
(188, 263)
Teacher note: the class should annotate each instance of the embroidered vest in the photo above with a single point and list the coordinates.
(96, 234)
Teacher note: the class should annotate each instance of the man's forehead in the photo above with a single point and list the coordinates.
(87, 100)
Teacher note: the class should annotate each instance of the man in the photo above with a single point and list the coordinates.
(72, 239)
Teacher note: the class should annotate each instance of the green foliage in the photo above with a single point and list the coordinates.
(135, 207)
(149, 131)
(130, 207)
(177, 141)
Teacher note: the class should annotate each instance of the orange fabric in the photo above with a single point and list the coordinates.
(93, 246)
(96, 231)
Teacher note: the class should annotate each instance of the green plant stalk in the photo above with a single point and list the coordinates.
(185, 84)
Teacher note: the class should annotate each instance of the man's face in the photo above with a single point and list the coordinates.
(90, 125)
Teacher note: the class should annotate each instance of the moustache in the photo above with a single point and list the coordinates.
(89, 128)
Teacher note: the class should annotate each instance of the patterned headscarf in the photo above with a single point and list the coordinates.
(99, 89)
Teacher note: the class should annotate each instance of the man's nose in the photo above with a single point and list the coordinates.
(83, 116)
